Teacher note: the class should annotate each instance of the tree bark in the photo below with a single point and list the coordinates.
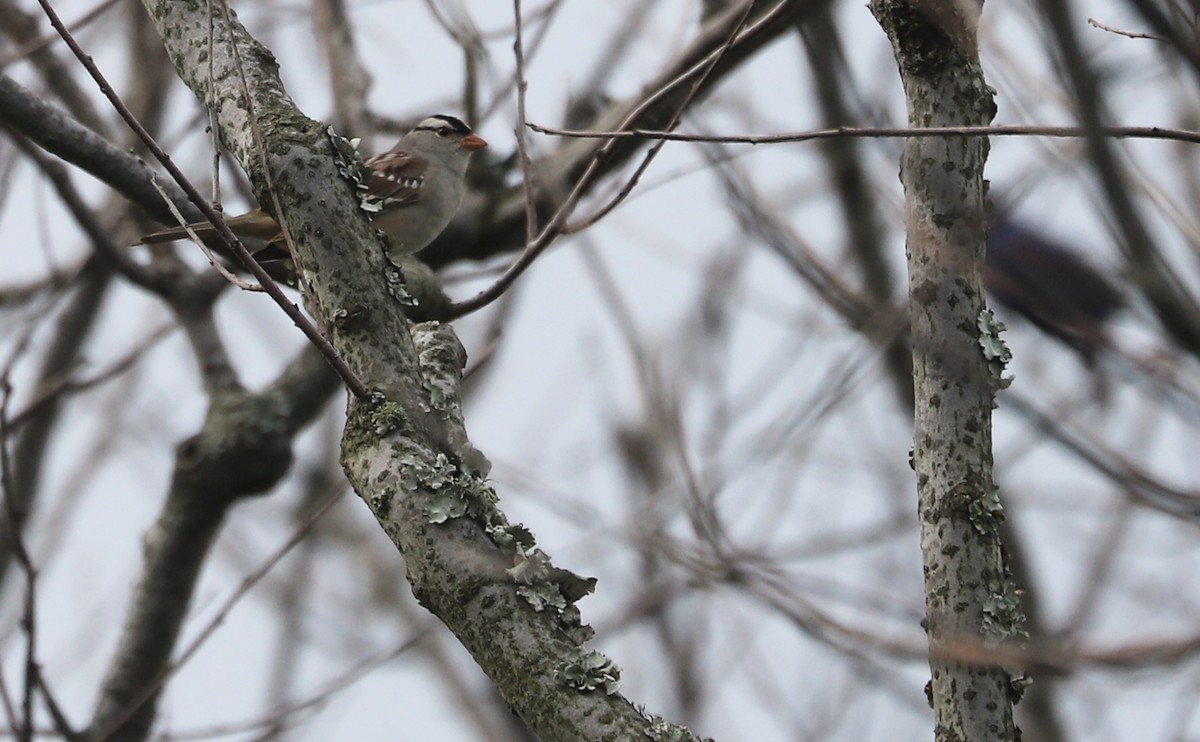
(971, 605)
(404, 448)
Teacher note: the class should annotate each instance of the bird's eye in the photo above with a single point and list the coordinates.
(442, 132)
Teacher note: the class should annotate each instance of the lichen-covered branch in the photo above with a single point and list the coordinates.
(957, 362)
(404, 450)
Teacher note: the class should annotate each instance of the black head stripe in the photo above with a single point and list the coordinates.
(440, 121)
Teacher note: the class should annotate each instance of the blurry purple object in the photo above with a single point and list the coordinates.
(1049, 284)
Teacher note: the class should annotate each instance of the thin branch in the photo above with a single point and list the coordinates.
(1110, 463)
(1131, 34)
(62, 724)
(24, 27)
(505, 230)
(887, 132)
(23, 727)
(531, 228)
(1174, 302)
(500, 95)
(349, 80)
(65, 137)
(6, 701)
(253, 579)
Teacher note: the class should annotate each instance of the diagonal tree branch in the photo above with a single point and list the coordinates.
(404, 450)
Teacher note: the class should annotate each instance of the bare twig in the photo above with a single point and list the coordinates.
(214, 130)
(23, 726)
(255, 577)
(531, 228)
(62, 725)
(546, 15)
(10, 711)
(349, 80)
(887, 132)
(65, 137)
(1174, 302)
(1131, 34)
(261, 150)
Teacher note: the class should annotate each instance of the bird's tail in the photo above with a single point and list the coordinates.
(202, 229)
(257, 224)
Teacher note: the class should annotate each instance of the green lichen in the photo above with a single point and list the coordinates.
(589, 671)
(350, 165)
(995, 350)
(448, 497)
(385, 415)
(571, 623)
(445, 505)
(442, 396)
(1003, 621)
(510, 537)
(661, 730)
(545, 586)
(433, 475)
(347, 319)
(441, 356)
(397, 289)
(454, 493)
(542, 596)
(1018, 681)
(986, 512)
(530, 567)
(483, 500)
(1002, 615)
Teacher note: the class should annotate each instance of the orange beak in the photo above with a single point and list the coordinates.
(473, 142)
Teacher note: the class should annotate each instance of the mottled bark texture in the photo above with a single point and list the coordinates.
(970, 602)
(404, 449)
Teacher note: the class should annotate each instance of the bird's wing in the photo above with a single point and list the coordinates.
(396, 179)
